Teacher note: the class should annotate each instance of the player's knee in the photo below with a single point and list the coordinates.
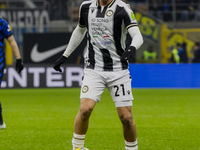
(85, 112)
(127, 120)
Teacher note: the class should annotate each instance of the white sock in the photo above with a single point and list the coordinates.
(131, 145)
(78, 140)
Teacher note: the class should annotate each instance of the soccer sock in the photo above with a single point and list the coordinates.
(1, 118)
(78, 140)
(131, 145)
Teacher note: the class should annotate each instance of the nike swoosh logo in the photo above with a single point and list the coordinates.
(37, 56)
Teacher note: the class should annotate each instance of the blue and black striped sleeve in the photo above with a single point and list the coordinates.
(5, 28)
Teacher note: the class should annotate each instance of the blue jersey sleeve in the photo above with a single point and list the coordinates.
(5, 29)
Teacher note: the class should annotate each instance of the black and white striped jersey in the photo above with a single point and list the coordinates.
(107, 28)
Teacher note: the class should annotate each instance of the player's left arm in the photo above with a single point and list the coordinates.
(132, 27)
(137, 39)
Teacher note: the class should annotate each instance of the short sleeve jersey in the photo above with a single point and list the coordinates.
(5, 32)
(107, 28)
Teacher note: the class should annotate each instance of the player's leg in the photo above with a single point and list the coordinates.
(1, 118)
(129, 127)
(91, 90)
(82, 118)
(121, 92)
(2, 124)
(82, 121)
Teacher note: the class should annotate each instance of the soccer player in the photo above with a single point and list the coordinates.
(6, 33)
(106, 23)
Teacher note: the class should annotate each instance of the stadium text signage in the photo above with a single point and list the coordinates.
(26, 18)
(162, 76)
(35, 77)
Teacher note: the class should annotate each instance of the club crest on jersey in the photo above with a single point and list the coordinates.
(109, 13)
(85, 89)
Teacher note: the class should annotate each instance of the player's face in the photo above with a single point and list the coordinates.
(105, 2)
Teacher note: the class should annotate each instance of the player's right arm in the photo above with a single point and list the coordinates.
(79, 32)
(76, 38)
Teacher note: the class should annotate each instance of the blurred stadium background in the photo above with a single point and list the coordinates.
(40, 116)
(47, 24)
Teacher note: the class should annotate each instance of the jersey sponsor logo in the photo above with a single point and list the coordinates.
(104, 43)
(97, 26)
(85, 89)
(37, 56)
(100, 20)
(109, 13)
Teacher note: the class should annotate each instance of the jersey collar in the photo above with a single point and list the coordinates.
(109, 5)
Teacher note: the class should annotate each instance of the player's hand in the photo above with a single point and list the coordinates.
(128, 53)
(19, 65)
(59, 62)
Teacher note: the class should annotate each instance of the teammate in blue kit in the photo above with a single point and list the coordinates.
(106, 23)
(6, 33)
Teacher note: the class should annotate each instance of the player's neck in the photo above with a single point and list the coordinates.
(104, 2)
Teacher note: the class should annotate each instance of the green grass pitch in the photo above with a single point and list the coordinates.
(42, 119)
